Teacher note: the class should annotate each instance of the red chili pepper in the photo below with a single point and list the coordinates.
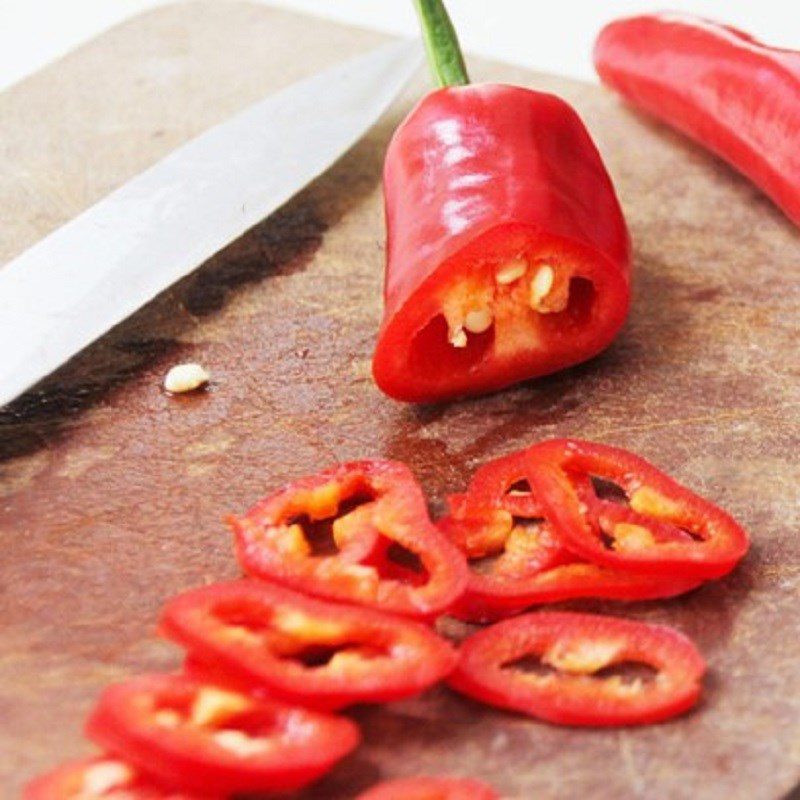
(572, 657)
(100, 778)
(203, 739)
(732, 94)
(519, 561)
(271, 542)
(507, 251)
(427, 788)
(667, 529)
(303, 650)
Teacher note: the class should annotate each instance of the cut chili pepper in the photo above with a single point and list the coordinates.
(667, 529)
(507, 252)
(572, 656)
(204, 739)
(516, 559)
(304, 650)
(498, 485)
(271, 541)
(718, 85)
(429, 788)
(100, 778)
(535, 569)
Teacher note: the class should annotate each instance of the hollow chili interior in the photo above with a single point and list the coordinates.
(512, 303)
(576, 669)
(308, 651)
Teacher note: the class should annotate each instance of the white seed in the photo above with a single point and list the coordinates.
(510, 272)
(541, 285)
(478, 321)
(98, 779)
(185, 378)
(457, 337)
(240, 743)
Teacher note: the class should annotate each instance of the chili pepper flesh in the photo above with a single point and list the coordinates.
(575, 652)
(199, 738)
(303, 650)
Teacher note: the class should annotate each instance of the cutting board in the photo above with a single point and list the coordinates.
(113, 492)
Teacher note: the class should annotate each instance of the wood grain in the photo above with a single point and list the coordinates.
(112, 493)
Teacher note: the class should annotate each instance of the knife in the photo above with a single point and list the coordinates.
(75, 284)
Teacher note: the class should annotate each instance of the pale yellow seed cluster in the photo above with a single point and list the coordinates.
(213, 706)
(582, 656)
(474, 315)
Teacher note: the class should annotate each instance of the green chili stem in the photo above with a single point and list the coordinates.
(441, 43)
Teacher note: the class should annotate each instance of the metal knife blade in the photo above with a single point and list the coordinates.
(82, 279)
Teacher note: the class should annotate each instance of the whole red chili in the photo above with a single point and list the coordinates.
(734, 95)
(507, 251)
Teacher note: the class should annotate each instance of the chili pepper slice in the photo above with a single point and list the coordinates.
(204, 739)
(430, 788)
(507, 253)
(667, 529)
(718, 85)
(271, 542)
(100, 778)
(304, 650)
(516, 559)
(573, 655)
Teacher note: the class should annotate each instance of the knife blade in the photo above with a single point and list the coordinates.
(75, 284)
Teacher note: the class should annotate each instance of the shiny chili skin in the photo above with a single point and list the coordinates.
(664, 529)
(732, 94)
(99, 778)
(578, 649)
(194, 737)
(474, 177)
(259, 636)
(271, 542)
(430, 788)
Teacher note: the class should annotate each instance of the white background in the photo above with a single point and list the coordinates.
(550, 35)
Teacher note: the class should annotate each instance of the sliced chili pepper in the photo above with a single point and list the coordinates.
(100, 778)
(304, 650)
(429, 788)
(507, 252)
(666, 530)
(498, 485)
(519, 561)
(718, 85)
(572, 656)
(272, 543)
(204, 739)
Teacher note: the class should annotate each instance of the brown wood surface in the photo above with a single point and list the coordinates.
(111, 492)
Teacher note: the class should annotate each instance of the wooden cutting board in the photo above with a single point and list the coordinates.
(113, 493)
